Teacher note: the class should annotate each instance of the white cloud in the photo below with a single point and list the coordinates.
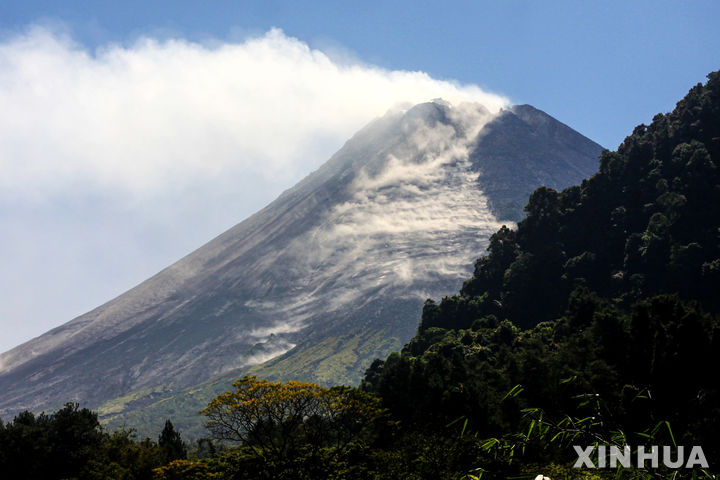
(157, 113)
(115, 162)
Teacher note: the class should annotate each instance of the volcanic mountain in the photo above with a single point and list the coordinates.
(329, 276)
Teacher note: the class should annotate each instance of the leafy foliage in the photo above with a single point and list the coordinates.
(49, 446)
(186, 470)
(280, 419)
(70, 443)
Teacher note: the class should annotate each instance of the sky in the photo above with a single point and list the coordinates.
(133, 132)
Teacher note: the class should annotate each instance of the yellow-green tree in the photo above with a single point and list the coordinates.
(278, 418)
(185, 470)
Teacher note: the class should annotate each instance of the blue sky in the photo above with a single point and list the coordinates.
(133, 132)
(601, 67)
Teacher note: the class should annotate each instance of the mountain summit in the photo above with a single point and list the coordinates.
(329, 276)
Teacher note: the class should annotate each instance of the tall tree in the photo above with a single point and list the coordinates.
(171, 444)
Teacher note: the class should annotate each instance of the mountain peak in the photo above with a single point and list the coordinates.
(523, 147)
(441, 101)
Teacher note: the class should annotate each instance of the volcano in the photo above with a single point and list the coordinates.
(329, 276)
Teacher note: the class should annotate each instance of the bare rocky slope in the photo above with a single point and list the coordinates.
(323, 280)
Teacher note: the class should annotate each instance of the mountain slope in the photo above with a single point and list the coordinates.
(397, 214)
(512, 146)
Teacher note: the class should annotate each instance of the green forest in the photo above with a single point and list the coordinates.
(595, 322)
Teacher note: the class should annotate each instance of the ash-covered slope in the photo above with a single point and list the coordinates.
(345, 258)
(523, 148)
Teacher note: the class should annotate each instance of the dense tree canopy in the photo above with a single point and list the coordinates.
(49, 446)
(279, 418)
(71, 444)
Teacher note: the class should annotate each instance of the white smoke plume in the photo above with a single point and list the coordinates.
(415, 217)
(116, 162)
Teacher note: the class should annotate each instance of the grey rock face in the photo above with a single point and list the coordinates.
(523, 148)
(349, 254)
